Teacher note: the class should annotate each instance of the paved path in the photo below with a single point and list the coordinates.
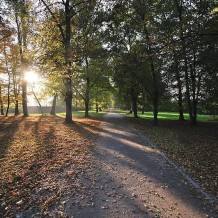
(129, 178)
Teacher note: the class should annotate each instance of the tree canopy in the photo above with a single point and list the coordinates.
(147, 54)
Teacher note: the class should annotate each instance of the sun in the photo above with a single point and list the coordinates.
(31, 76)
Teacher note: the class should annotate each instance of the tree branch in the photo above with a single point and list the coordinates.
(52, 14)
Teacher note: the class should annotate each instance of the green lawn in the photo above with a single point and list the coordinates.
(167, 116)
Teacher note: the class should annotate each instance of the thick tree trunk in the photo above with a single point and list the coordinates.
(134, 102)
(67, 46)
(86, 108)
(53, 108)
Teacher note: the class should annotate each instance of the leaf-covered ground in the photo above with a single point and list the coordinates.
(41, 161)
(194, 148)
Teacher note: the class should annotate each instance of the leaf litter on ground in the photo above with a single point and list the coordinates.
(41, 162)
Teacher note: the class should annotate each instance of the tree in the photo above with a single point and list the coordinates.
(64, 20)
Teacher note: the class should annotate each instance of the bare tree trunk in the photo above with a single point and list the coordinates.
(53, 108)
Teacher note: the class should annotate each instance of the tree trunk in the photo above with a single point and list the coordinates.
(1, 102)
(134, 102)
(24, 98)
(8, 95)
(86, 108)
(22, 37)
(96, 107)
(16, 111)
(87, 97)
(2, 109)
(67, 47)
(155, 93)
(68, 101)
(184, 53)
(180, 97)
(53, 108)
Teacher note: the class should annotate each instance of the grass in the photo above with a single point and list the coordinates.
(168, 116)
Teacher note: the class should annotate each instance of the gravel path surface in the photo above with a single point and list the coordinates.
(129, 178)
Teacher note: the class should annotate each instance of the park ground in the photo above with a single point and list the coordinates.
(42, 159)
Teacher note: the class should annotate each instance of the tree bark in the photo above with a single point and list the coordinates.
(68, 101)
(53, 108)
(86, 108)
(68, 80)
